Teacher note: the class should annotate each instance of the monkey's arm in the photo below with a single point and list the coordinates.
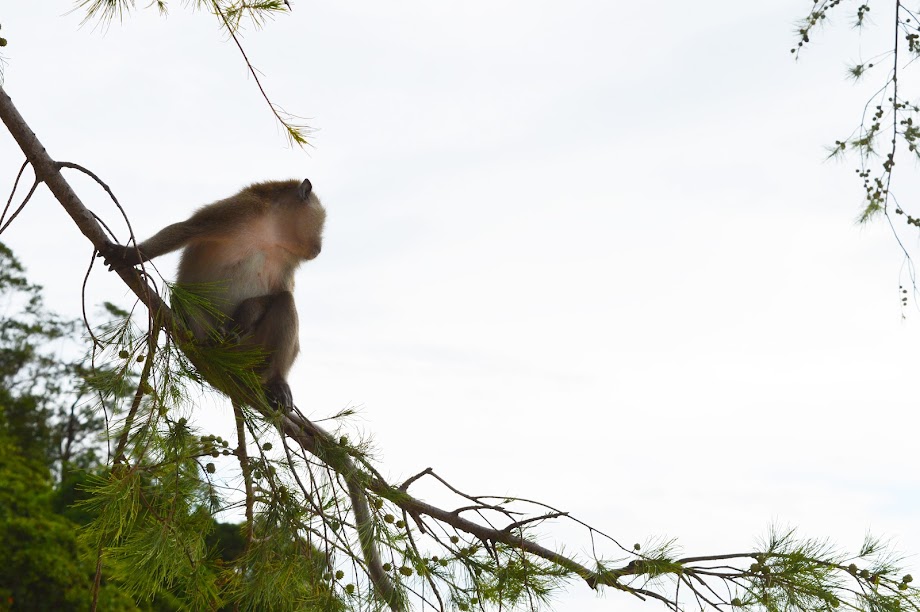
(168, 239)
(211, 221)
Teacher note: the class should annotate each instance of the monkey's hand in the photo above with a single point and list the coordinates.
(118, 257)
(279, 395)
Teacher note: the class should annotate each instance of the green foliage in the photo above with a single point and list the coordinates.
(21, 476)
(511, 578)
(284, 571)
(44, 567)
(42, 570)
(151, 514)
(887, 132)
(45, 399)
(230, 365)
(226, 540)
(33, 380)
(47, 422)
(151, 524)
(789, 574)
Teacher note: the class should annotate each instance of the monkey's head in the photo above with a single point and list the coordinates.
(310, 220)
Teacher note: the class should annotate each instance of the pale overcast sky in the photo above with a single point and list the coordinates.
(585, 252)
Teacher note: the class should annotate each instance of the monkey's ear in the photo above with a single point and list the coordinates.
(305, 188)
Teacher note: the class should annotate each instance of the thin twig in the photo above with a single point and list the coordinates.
(292, 131)
(243, 458)
(21, 206)
(142, 385)
(13, 191)
(404, 486)
(534, 519)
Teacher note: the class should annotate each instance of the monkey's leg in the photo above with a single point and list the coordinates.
(249, 313)
(276, 332)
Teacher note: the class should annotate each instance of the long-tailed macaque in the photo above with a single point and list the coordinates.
(245, 250)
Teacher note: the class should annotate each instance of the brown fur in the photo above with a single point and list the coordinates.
(245, 250)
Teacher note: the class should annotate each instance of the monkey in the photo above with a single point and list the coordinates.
(245, 250)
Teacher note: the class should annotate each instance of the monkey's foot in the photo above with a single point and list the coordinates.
(279, 395)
